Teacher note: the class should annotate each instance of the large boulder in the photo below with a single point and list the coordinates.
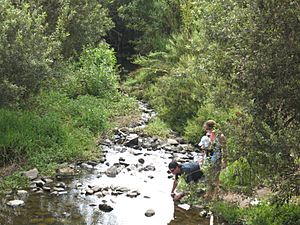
(31, 174)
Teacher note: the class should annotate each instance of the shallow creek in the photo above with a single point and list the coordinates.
(139, 169)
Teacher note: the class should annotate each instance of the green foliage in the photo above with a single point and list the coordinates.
(84, 22)
(27, 52)
(95, 74)
(228, 212)
(239, 177)
(158, 128)
(13, 182)
(271, 215)
(243, 58)
(83, 112)
(262, 214)
(39, 140)
(151, 20)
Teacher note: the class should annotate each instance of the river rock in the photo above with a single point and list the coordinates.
(141, 160)
(31, 174)
(61, 185)
(172, 142)
(133, 194)
(22, 193)
(105, 207)
(15, 203)
(46, 188)
(65, 172)
(39, 183)
(47, 180)
(112, 171)
(131, 140)
(149, 213)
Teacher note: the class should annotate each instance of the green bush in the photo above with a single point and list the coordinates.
(273, 215)
(95, 74)
(238, 176)
(232, 214)
(158, 128)
(39, 140)
(261, 214)
(27, 53)
(85, 111)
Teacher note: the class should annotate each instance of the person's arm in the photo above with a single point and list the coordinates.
(173, 188)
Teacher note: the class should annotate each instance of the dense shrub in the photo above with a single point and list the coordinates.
(39, 140)
(95, 74)
(27, 52)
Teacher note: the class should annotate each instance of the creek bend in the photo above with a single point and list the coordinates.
(132, 178)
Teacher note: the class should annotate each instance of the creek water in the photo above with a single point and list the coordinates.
(142, 169)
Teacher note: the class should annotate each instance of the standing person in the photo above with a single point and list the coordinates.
(215, 151)
(191, 172)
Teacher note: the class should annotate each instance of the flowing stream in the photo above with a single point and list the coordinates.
(130, 180)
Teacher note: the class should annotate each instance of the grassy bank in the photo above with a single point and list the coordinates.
(64, 121)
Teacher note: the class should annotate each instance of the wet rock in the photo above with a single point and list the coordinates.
(133, 194)
(79, 185)
(149, 168)
(65, 172)
(58, 189)
(86, 166)
(121, 159)
(203, 213)
(31, 174)
(61, 185)
(47, 180)
(89, 191)
(105, 207)
(93, 204)
(149, 213)
(22, 193)
(102, 160)
(107, 142)
(96, 188)
(15, 203)
(131, 140)
(46, 189)
(39, 183)
(141, 160)
(172, 142)
(112, 171)
(99, 194)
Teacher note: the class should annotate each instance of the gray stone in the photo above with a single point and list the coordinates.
(105, 208)
(65, 172)
(131, 140)
(112, 171)
(46, 188)
(172, 141)
(141, 160)
(31, 174)
(149, 213)
(22, 193)
(15, 203)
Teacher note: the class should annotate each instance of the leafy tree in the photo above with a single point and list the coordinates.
(27, 53)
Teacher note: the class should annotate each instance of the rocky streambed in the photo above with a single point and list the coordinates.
(128, 185)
